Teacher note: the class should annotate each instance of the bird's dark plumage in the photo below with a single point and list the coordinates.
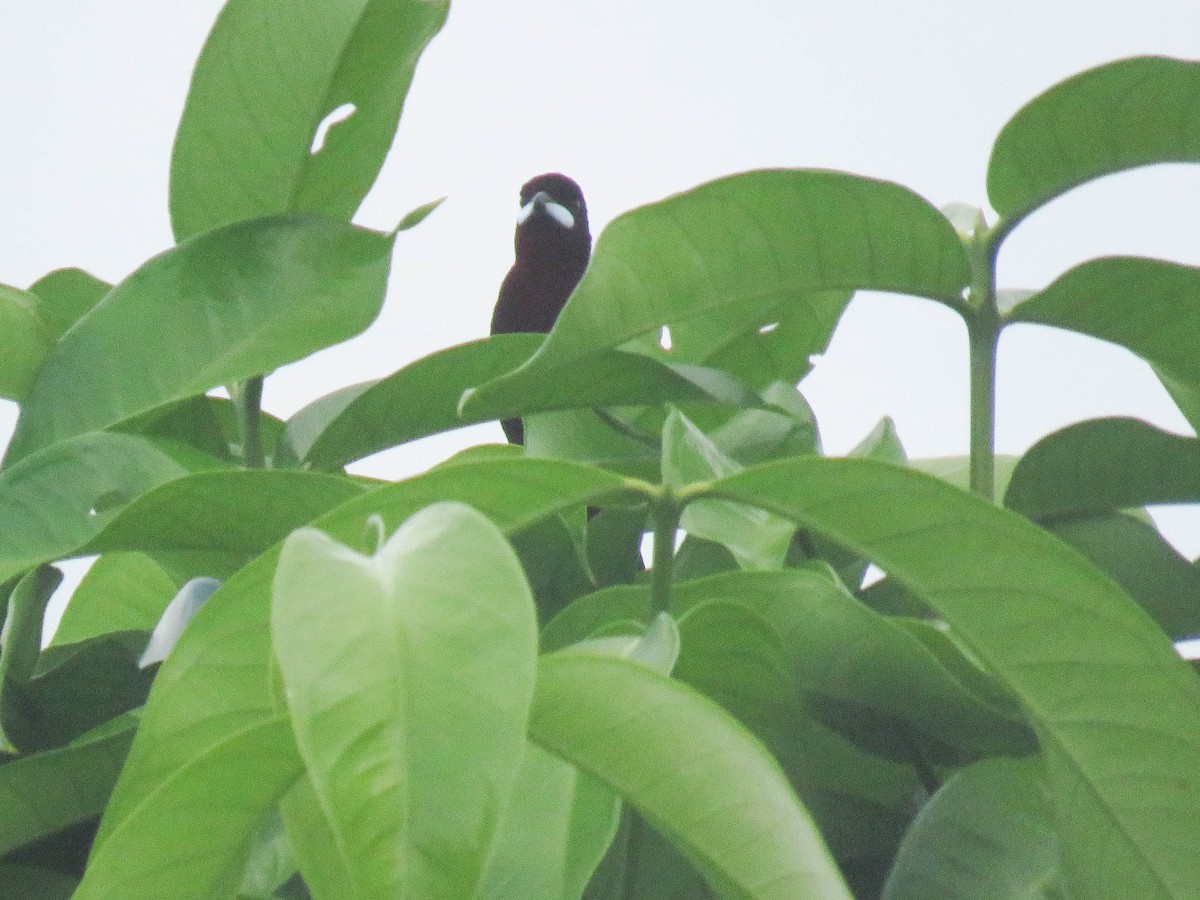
(553, 246)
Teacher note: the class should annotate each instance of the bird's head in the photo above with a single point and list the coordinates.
(552, 227)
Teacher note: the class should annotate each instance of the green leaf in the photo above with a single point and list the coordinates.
(779, 351)
(1103, 465)
(21, 638)
(218, 679)
(33, 882)
(394, 665)
(882, 443)
(957, 469)
(757, 539)
(1185, 394)
(1124, 753)
(785, 426)
(986, 834)
(207, 511)
(1136, 557)
(26, 342)
(1134, 112)
(271, 861)
(691, 770)
(267, 78)
(45, 792)
(738, 250)
(55, 501)
(553, 834)
(78, 688)
(120, 592)
(243, 300)
(321, 862)
(65, 295)
(227, 791)
(608, 377)
(418, 400)
(1148, 306)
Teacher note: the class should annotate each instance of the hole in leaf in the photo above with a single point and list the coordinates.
(336, 117)
(873, 575)
(966, 293)
(768, 328)
(664, 338)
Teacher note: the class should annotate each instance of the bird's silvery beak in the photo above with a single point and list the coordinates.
(556, 211)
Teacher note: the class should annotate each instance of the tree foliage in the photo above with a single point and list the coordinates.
(467, 683)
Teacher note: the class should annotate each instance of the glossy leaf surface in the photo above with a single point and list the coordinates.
(1129, 113)
(1122, 754)
(393, 666)
(218, 679)
(267, 78)
(738, 249)
(244, 300)
(690, 769)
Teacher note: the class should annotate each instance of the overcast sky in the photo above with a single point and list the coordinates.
(636, 100)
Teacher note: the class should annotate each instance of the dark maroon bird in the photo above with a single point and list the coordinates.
(553, 246)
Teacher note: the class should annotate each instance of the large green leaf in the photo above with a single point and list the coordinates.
(418, 400)
(226, 305)
(267, 77)
(1148, 306)
(1103, 465)
(394, 666)
(218, 678)
(189, 837)
(985, 835)
(737, 250)
(45, 792)
(1116, 709)
(690, 769)
(615, 378)
(1134, 112)
(207, 511)
(55, 501)
(25, 344)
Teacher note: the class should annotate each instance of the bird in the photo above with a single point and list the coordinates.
(552, 247)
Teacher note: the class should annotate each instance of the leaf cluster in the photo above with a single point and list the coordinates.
(826, 677)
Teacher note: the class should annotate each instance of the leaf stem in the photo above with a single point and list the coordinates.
(983, 337)
(247, 400)
(665, 512)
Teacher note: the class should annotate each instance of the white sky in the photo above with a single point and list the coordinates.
(636, 100)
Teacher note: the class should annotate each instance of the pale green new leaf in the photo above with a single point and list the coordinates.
(394, 666)
(218, 678)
